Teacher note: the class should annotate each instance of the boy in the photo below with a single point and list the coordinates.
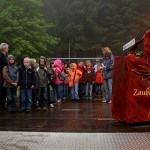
(42, 84)
(27, 82)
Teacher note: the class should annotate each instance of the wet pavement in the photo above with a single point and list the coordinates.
(69, 116)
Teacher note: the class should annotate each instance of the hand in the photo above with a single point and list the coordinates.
(93, 82)
(18, 88)
(14, 84)
(45, 68)
(32, 87)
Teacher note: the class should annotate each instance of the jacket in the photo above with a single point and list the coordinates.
(57, 69)
(108, 63)
(10, 74)
(82, 70)
(42, 79)
(92, 75)
(26, 77)
(75, 74)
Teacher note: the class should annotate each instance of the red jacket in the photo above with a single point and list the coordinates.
(99, 78)
(82, 70)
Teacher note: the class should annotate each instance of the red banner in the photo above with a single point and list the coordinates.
(131, 89)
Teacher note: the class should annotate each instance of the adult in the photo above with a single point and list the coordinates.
(3, 62)
(108, 62)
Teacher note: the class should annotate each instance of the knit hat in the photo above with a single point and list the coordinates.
(11, 56)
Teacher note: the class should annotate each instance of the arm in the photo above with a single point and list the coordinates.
(6, 76)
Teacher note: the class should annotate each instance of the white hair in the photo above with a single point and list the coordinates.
(3, 46)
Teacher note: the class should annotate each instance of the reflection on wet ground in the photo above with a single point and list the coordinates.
(69, 116)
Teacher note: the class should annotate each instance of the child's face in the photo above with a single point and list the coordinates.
(26, 62)
(72, 67)
(88, 63)
(11, 61)
(80, 64)
(48, 63)
(42, 61)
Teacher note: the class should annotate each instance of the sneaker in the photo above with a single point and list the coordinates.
(59, 100)
(51, 105)
(64, 98)
(39, 108)
(22, 110)
(44, 109)
(28, 110)
(104, 101)
(109, 102)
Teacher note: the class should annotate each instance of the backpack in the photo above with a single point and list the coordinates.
(51, 76)
(62, 76)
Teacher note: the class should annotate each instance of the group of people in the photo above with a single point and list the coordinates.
(38, 81)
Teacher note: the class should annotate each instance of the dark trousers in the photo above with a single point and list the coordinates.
(42, 96)
(2, 93)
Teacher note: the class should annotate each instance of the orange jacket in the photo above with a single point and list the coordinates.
(74, 75)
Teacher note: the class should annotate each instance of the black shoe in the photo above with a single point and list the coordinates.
(28, 110)
(22, 110)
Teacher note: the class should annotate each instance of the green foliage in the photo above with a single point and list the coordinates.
(23, 27)
(92, 24)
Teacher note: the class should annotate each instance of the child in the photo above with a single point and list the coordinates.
(11, 78)
(42, 84)
(74, 76)
(57, 81)
(81, 84)
(99, 80)
(89, 78)
(27, 82)
(34, 65)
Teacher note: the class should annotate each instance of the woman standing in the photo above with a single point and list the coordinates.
(108, 62)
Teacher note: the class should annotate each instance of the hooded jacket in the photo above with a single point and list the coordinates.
(57, 69)
(42, 80)
(10, 73)
(74, 74)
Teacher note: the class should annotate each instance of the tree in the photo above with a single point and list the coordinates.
(91, 24)
(23, 27)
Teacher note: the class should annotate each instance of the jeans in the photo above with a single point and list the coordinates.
(88, 90)
(11, 98)
(58, 89)
(26, 99)
(42, 96)
(65, 90)
(108, 89)
(74, 91)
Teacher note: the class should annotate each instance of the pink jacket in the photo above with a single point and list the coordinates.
(57, 69)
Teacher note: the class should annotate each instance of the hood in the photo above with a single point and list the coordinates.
(9, 57)
(74, 65)
(58, 63)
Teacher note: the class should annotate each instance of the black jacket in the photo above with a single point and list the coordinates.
(26, 77)
(92, 75)
(3, 61)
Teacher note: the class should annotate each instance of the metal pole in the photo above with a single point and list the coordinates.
(69, 53)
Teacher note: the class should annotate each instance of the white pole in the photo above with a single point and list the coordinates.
(69, 52)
